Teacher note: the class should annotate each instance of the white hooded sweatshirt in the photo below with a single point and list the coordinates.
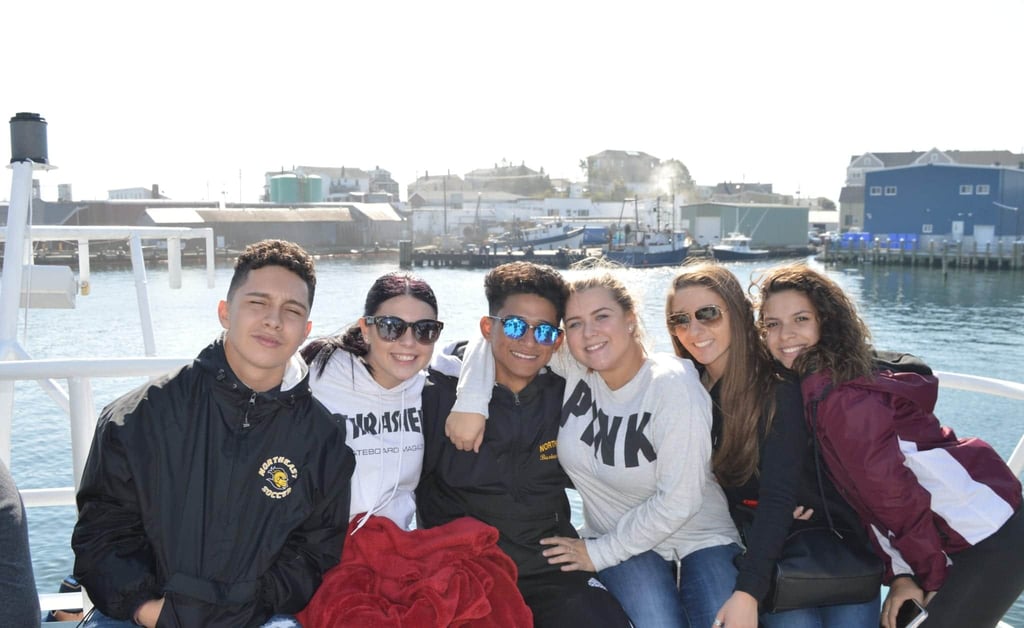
(384, 428)
(385, 431)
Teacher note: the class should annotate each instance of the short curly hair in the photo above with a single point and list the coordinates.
(274, 253)
(515, 278)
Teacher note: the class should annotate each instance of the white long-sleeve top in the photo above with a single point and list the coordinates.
(639, 456)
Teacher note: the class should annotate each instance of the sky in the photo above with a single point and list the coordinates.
(204, 98)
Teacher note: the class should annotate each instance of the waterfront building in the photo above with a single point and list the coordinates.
(124, 194)
(768, 225)
(508, 178)
(973, 205)
(852, 197)
(319, 227)
(335, 184)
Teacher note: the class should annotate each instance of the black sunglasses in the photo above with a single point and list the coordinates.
(515, 327)
(706, 315)
(391, 328)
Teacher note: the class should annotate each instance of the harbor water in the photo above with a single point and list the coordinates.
(963, 321)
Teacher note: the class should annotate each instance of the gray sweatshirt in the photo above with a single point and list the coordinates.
(639, 456)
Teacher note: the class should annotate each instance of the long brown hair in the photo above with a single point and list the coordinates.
(748, 382)
(844, 346)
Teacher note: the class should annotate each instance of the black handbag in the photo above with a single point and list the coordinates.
(823, 565)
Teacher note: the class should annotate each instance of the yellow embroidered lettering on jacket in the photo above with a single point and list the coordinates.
(548, 450)
(279, 474)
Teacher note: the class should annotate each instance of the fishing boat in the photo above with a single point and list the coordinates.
(650, 249)
(556, 235)
(637, 245)
(736, 247)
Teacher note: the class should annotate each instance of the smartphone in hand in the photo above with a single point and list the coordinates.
(911, 615)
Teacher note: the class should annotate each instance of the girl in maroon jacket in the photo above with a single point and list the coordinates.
(943, 512)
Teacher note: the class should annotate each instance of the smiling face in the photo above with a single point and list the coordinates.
(266, 319)
(601, 336)
(517, 362)
(791, 325)
(707, 342)
(394, 362)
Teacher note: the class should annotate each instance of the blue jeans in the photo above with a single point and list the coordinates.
(645, 586)
(96, 619)
(864, 615)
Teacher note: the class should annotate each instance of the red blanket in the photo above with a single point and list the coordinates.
(451, 575)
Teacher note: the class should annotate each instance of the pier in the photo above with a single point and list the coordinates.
(561, 258)
(996, 256)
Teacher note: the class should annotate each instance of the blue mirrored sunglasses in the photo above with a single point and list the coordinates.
(515, 327)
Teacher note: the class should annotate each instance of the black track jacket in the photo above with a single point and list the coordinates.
(514, 484)
(230, 524)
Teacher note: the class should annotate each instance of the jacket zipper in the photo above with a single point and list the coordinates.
(252, 404)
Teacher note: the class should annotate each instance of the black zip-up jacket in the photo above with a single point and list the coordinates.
(514, 484)
(228, 503)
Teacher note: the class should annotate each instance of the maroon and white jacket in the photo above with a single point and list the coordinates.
(923, 493)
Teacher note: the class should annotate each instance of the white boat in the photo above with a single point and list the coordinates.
(736, 247)
(550, 236)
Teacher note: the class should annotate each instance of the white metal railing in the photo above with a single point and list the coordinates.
(989, 386)
(78, 373)
(82, 413)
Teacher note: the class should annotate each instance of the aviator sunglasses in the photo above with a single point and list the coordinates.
(706, 315)
(515, 327)
(391, 328)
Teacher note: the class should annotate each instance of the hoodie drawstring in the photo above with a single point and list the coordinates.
(381, 501)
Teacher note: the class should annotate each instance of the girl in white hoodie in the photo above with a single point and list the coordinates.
(371, 376)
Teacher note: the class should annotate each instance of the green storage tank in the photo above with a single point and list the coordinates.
(313, 188)
(285, 188)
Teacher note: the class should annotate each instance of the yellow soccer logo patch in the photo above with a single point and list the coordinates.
(279, 474)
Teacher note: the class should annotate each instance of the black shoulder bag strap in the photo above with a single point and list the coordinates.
(817, 456)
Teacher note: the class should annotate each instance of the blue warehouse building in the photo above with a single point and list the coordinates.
(973, 205)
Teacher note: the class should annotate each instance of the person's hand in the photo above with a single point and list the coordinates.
(803, 514)
(901, 590)
(148, 613)
(570, 553)
(465, 430)
(739, 611)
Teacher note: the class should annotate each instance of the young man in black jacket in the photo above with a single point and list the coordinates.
(514, 481)
(218, 495)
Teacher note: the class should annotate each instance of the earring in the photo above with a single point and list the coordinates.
(630, 329)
